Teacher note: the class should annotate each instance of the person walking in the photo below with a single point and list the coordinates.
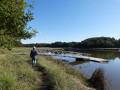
(33, 55)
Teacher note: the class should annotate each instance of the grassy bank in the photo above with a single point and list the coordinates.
(60, 77)
(17, 73)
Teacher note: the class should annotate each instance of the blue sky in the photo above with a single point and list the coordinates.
(74, 20)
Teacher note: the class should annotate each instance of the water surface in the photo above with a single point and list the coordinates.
(111, 67)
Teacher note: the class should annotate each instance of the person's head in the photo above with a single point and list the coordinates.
(34, 47)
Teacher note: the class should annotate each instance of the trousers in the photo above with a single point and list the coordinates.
(34, 60)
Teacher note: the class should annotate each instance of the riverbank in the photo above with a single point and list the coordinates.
(61, 77)
(92, 49)
(17, 73)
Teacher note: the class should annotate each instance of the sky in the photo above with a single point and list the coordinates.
(74, 20)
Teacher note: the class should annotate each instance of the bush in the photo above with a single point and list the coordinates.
(98, 79)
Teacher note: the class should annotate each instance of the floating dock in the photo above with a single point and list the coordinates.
(77, 55)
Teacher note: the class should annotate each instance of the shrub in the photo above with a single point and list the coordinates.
(98, 79)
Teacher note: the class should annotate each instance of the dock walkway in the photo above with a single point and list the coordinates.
(70, 54)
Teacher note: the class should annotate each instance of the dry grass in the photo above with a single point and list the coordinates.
(98, 79)
(16, 73)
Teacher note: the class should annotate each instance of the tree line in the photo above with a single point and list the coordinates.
(96, 42)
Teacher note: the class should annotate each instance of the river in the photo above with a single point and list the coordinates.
(111, 68)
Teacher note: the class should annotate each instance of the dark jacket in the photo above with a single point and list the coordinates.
(33, 53)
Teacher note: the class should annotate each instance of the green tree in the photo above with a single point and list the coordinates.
(14, 16)
(99, 42)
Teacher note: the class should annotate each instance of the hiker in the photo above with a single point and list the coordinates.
(33, 55)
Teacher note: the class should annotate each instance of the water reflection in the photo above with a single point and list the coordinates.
(78, 62)
(83, 62)
(103, 54)
(111, 68)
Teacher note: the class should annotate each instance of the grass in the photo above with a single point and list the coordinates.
(17, 73)
(61, 77)
(6, 81)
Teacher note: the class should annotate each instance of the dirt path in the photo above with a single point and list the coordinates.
(43, 83)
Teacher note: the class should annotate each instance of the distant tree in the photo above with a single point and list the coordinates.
(96, 42)
(72, 44)
(57, 44)
(99, 42)
(118, 43)
(14, 16)
(65, 44)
